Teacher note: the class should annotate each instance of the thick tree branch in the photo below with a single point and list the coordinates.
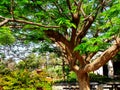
(80, 58)
(73, 36)
(84, 29)
(89, 57)
(57, 37)
(104, 58)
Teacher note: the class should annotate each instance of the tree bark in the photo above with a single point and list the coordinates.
(83, 80)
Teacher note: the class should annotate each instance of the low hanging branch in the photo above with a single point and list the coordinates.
(4, 22)
(25, 22)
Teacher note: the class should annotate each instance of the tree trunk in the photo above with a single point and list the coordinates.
(83, 80)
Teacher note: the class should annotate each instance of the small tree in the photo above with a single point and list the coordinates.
(80, 27)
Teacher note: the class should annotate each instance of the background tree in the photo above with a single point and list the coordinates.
(80, 27)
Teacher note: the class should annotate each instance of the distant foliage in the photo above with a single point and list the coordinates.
(6, 36)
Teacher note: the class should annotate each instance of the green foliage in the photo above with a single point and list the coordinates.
(71, 77)
(31, 62)
(92, 45)
(114, 11)
(98, 78)
(65, 22)
(112, 15)
(6, 36)
(4, 8)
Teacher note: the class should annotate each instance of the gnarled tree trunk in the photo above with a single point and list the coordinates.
(83, 80)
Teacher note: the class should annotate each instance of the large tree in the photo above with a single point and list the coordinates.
(80, 27)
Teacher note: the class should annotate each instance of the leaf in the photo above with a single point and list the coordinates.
(93, 48)
(65, 22)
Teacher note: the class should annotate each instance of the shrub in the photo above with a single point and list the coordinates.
(71, 77)
(98, 78)
(25, 80)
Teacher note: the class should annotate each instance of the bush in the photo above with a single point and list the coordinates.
(71, 77)
(25, 80)
(3, 69)
(98, 78)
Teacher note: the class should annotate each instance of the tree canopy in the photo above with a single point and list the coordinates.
(60, 17)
